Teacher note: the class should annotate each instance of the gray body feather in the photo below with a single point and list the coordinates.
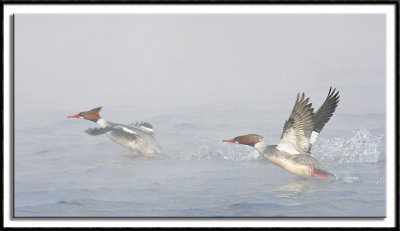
(134, 136)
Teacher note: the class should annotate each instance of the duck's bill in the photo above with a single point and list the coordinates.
(74, 116)
(229, 141)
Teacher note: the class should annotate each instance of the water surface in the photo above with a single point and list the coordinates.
(60, 171)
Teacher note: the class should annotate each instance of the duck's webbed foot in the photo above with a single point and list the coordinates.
(317, 172)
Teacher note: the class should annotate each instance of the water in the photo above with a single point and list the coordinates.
(60, 171)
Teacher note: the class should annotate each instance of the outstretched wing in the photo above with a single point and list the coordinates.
(97, 131)
(143, 126)
(297, 130)
(122, 130)
(324, 113)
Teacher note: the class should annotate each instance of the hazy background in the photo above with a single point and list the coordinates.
(159, 63)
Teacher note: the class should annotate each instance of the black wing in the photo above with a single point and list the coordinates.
(325, 112)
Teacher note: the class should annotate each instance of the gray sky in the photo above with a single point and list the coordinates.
(160, 62)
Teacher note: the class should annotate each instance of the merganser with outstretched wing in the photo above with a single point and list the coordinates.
(138, 137)
(300, 131)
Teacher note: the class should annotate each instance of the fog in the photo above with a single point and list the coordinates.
(165, 62)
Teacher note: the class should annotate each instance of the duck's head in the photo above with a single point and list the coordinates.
(92, 115)
(249, 139)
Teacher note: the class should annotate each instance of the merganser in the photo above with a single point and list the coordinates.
(138, 137)
(299, 133)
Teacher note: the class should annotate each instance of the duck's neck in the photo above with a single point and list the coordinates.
(102, 122)
(260, 146)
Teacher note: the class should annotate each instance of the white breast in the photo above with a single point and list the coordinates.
(102, 123)
(260, 146)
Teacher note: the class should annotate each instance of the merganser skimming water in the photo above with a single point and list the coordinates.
(138, 137)
(299, 134)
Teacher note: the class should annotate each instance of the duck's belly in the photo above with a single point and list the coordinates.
(123, 141)
(135, 145)
(290, 166)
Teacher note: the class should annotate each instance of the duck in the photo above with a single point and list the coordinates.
(300, 131)
(138, 137)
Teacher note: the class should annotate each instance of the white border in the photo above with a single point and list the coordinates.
(389, 10)
(191, 9)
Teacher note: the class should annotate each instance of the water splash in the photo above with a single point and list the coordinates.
(228, 153)
(362, 147)
(348, 179)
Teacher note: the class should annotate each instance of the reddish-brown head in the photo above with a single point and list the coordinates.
(92, 115)
(250, 139)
